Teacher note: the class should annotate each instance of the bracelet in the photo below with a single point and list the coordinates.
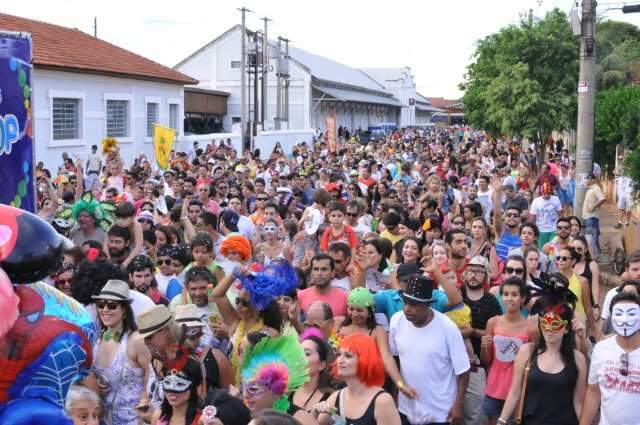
(596, 306)
(502, 421)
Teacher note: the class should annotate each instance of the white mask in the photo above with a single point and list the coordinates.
(625, 318)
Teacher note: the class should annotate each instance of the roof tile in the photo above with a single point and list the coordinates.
(55, 46)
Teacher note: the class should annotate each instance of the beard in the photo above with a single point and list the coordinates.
(117, 253)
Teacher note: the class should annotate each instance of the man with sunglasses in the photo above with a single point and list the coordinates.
(483, 306)
(510, 238)
(613, 375)
(561, 241)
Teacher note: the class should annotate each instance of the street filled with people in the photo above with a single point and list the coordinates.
(434, 276)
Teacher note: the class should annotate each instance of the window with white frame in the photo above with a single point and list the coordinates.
(173, 116)
(117, 118)
(152, 117)
(66, 118)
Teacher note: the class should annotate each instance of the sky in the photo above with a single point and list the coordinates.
(435, 38)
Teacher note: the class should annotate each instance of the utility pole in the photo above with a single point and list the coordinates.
(243, 78)
(95, 26)
(586, 102)
(278, 116)
(264, 73)
(286, 82)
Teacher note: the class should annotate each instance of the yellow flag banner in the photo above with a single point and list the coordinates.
(163, 138)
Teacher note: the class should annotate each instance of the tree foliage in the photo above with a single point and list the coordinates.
(617, 122)
(617, 49)
(522, 82)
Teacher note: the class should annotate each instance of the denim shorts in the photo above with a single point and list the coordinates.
(492, 407)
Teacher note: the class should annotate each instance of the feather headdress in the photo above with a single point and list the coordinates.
(279, 364)
(109, 144)
(551, 292)
(276, 279)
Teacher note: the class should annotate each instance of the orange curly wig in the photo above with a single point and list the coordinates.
(236, 243)
(370, 366)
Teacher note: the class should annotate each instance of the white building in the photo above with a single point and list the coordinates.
(318, 86)
(85, 89)
(416, 109)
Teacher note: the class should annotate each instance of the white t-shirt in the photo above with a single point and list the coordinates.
(341, 283)
(624, 187)
(430, 367)
(546, 212)
(618, 393)
(246, 227)
(486, 201)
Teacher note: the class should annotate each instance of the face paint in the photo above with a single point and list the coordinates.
(175, 383)
(625, 318)
(270, 229)
(552, 322)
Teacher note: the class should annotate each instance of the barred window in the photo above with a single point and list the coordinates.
(117, 118)
(66, 119)
(152, 117)
(173, 116)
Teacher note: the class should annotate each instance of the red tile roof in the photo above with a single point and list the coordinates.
(64, 48)
(441, 102)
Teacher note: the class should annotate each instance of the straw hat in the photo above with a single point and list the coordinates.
(153, 319)
(187, 314)
(114, 290)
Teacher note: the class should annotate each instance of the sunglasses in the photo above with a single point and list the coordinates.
(562, 257)
(61, 282)
(563, 227)
(166, 262)
(109, 305)
(352, 214)
(512, 270)
(308, 324)
(624, 364)
(194, 333)
(262, 199)
(243, 303)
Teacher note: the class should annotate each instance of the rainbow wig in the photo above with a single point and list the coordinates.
(279, 364)
(370, 366)
(276, 279)
(236, 243)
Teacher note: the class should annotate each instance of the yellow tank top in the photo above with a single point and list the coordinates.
(576, 288)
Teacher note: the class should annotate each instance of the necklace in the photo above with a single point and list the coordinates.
(115, 336)
(304, 406)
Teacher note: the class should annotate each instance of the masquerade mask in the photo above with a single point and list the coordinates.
(270, 229)
(552, 322)
(625, 319)
(175, 383)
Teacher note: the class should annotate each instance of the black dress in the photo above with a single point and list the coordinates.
(548, 398)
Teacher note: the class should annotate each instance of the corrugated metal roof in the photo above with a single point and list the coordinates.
(329, 70)
(387, 74)
(357, 96)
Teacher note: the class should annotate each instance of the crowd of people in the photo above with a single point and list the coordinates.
(430, 277)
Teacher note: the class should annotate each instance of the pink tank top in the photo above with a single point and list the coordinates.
(505, 348)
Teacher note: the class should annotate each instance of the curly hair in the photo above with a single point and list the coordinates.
(90, 277)
(236, 243)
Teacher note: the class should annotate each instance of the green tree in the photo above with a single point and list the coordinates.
(617, 122)
(522, 81)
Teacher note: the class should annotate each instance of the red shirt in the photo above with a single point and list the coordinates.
(347, 235)
(336, 298)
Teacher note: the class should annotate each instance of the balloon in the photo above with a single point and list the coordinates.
(30, 249)
(33, 412)
(8, 304)
(48, 348)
